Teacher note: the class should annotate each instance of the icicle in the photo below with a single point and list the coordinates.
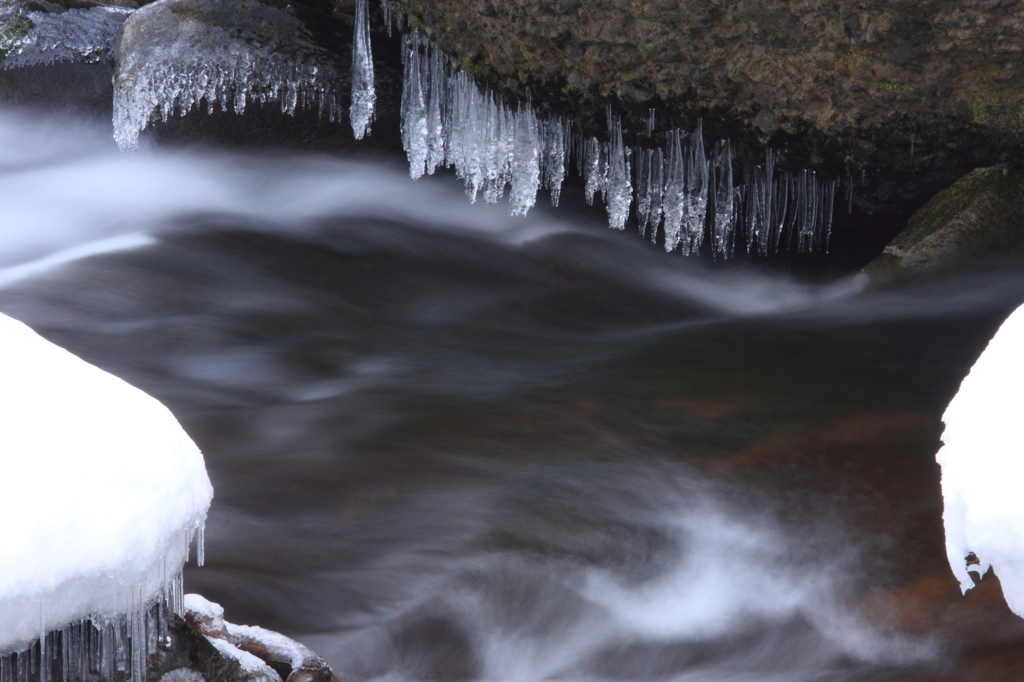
(805, 233)
(437, 95)
(120, 648)
(695, 204)
(828, 212)
(138, 637)
(44, 659)
(782, 205)
(674, 194)
(201, 544)
(725, 201)
(108, 652)
(643, 191)
(768, 194)
(656, 191)
(596, 169)
(554, 140)
(386, 11)
(525, 163)
(579, 146)
(849, 192)
(413, 108)
(363, 95)
(619, 193)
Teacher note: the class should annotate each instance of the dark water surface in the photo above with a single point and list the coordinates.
(450, 445)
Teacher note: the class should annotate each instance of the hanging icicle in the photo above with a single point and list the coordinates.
(363, 95)
(681, 190)
(725, 201)
(619, 192)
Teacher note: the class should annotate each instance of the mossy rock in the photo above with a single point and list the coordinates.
(981, 214)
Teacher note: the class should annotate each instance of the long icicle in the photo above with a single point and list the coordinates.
(360, 111)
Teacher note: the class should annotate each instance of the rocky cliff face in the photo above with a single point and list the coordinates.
(903, 95)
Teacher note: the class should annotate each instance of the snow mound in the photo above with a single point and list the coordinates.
(105, 492)
(982, 463)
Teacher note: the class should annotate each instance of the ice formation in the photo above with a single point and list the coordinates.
(680, 191)
(448, 121)
(110, 493)
(76, 35)
(982, 463)
(363, 95)
(683, 192)
(268, 58)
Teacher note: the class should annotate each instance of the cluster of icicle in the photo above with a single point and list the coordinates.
(679, 191)
(228, 74)
(448, 121)
(690, 195)
(103, 648)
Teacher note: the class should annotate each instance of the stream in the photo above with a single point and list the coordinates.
(451, 445)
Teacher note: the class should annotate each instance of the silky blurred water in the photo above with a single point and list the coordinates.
(451, 445)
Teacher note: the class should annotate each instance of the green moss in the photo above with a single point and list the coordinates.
(481, 69)
(994, 103)
(980, 214)
(848, 57)
(998, 185)
(881, 84)
(12, 30)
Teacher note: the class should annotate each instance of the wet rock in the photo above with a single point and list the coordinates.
(981, 214)
(59, 55)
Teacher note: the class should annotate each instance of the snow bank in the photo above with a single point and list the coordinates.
(983, 466)
(103, 492)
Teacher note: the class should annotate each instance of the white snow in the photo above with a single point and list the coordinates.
(104, 492)
(982, 463)
(257, 670)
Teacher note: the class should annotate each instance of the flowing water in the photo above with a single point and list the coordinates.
(448, 444)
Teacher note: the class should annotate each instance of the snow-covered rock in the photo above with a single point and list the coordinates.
(254, 648)
(982, 463)
(103, 492)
